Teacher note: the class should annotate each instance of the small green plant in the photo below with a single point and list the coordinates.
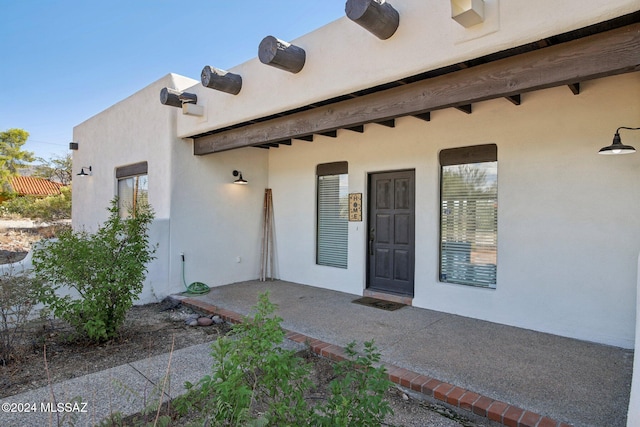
(254, 382)
(357, 393)
(18, 295)
(105, 271)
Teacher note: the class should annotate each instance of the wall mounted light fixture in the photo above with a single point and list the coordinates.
(467, 12)
(240, 180)
(73, 146)
(82, 171)
(617, 147)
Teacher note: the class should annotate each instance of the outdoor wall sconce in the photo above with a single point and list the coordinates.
(282, 55)
(616, 146)
(467, 12)
(83, 173)
(73, 146)
(240, 180)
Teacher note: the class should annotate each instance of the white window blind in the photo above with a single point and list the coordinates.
(469, 216)
(332, 215)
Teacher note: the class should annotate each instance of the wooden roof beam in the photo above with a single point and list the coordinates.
(221, 80)
(175, 98)
(377, 17)
(280, 54)
(604, 54)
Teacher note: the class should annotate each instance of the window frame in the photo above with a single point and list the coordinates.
(132, 171)
(339, 170)
(459, 255)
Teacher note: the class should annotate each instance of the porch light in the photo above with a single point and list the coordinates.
(467, 12)
(240, 180)
(617, 147)
(83, 173)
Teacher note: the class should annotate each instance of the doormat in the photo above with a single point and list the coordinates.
(379, 303)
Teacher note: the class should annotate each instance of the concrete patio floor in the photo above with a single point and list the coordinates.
(534, 375)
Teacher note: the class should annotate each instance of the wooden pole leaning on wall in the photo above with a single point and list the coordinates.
(221, 80)
(281, 54)
(376, 16)
(175, 98)
(267, 261)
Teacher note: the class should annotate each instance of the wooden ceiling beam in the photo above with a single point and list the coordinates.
(603, 54)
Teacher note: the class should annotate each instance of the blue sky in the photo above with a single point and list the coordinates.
(63, 61)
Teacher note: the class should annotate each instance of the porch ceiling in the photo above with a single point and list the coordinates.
(604, 49)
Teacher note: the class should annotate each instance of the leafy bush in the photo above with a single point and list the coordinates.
(18, 292)
(49, 208)
(106, 270)
(250, 372)
(256, 383)
(357, 394)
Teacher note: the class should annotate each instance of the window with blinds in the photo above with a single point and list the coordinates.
(332, 214)
(469, 215)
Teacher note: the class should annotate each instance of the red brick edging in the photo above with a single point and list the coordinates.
(495, 410)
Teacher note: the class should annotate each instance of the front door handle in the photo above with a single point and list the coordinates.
(372, 238)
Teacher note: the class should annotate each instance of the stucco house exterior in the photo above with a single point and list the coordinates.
(452, 164)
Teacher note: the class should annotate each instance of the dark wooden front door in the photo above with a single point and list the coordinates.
(391, 242)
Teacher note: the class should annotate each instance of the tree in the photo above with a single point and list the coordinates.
(12, 157)
(57, 169)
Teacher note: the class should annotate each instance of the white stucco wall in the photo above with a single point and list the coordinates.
(215, 223)
(569, 233)
(633, 415)
(139, 128)
(342, 57)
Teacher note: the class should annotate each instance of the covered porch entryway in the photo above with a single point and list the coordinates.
(572, 381)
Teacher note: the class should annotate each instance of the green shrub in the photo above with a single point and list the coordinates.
(357, 393)
(254, 382)
(49, 208)
(18, 293)
(106, 270)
